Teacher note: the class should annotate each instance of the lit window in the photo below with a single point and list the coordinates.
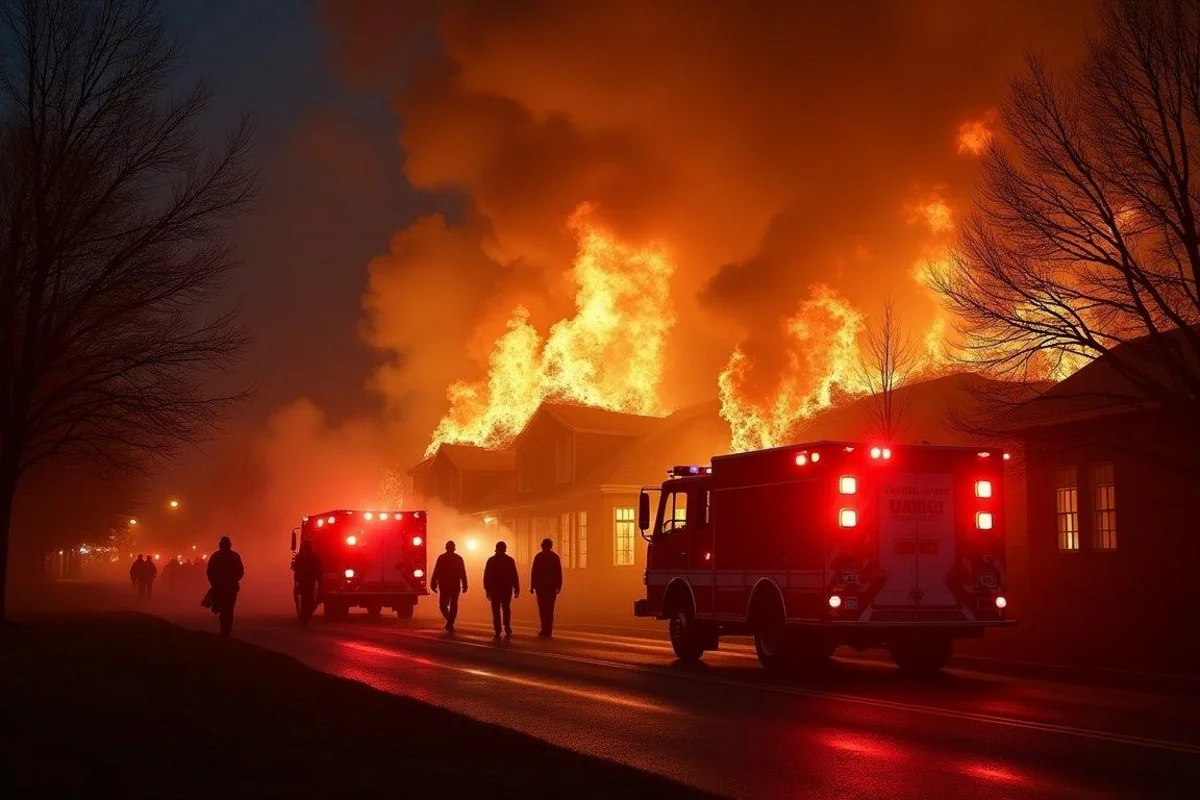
(624, 531)
(566, 540)
(581, 539)
(1104, 507)
(1066, 507)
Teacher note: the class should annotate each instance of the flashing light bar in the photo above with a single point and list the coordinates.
(683, 471)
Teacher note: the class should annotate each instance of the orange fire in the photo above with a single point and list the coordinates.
(821, 369)
(975, 135)
(610, 354)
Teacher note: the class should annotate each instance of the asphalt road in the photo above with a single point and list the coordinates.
(859, 729)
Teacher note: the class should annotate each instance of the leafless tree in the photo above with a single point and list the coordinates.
(1085, 241)
(111, 249)
(887, 360)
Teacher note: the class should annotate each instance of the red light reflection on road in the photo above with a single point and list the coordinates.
(860, 745)
(992, 772)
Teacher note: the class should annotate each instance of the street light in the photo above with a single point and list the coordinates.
(132, 521)
(174, 504)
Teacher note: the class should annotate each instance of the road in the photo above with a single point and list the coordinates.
(859, 729)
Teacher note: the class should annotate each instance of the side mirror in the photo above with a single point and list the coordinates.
(293, 541)
(643, 511)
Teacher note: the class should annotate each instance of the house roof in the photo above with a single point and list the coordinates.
(588, 419)
(471, 458)
(1104, 387)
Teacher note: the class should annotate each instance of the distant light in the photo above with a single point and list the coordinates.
(801, 459)
(489, 520)
(1001, 603)
(157, 557)
(133, 522)
(418, 573)
(174, 504)
(398, 515)
(816, 457)
(418, 541)
(331, 520)
(383, 516)
(876, 452)
(349, 574)
(193, 547)
(849, 448)
(368, 516)
(983, 489)
(835, 601)
(83, 551)
(847, 518)
(708, 556)
(984, 521)
(847, 484)
(984, 454)
(472, 544)
(60, 552)
(352, 540)
(204, 557)
(1007, 456)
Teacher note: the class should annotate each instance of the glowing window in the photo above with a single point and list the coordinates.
(1066, 507)
(581, 548)
(624, 531)
(1104, 507)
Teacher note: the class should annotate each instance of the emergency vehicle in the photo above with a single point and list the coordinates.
(809, 547)
(370, 559)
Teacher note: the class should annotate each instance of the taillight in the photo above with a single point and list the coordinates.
(418, 573)
(984, 521)
(983, 489)
(1001, 603)
(847, 518)
(835, 601)
(418, 541)
(349, 574)
(847, 484)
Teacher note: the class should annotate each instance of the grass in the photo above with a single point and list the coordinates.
(127, 705)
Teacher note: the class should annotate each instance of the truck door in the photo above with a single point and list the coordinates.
(700, 549)
(916, 538)
(673, 542)
(391, 553)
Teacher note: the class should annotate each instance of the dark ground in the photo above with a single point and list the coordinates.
(127, 705)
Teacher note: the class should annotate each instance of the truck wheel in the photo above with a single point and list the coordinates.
(405, 612)
(685, 633)
(775, 649)
(374, 609)
(922, 657)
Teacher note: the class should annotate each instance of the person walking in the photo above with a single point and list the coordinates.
(135, 573)
(225, 572)
(545, 582)
(146, 576)
(502, 584)
(449, 579)
(307, 569)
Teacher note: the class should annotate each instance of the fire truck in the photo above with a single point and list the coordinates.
(810, 547)
(370, 559)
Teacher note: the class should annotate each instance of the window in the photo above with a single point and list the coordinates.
(566, 543)
(1066, 507)
(581, 539)
(1104, 507)
(563, 459)
(525, 471)
(523, 536)
(624, 529)
(674, 512)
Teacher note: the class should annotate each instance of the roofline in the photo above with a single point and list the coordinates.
(834, 443)
(1078, 416)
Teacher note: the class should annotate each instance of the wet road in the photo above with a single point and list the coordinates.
(859, 729)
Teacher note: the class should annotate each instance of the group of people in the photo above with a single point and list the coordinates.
(224, 573)
(501, 584)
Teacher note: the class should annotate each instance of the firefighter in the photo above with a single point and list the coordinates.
(225, 571)
(449, 579)
(501, 584)
(545, 581)
(307, 569)
(135, 573)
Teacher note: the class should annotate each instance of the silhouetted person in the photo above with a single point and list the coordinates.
(307, 569)
(135, 573)
(545, 581)
(146, 576)
(225, 572)
(449, 579)
(502, 584)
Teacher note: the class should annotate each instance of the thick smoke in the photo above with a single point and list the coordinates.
(769, 147)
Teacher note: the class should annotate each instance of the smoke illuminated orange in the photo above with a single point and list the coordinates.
(975, 135)
(822, 367)
(610, 354)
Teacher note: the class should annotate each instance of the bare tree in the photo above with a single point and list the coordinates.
(887, 360)
(111, 256)
(1085, 242)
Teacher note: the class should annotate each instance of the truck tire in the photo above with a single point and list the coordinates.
(922, 657)
(686, 638)
(405, 611)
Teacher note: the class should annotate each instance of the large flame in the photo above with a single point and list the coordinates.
(821, 368)
(610, 354)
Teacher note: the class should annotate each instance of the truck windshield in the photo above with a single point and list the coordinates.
(672, 512)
